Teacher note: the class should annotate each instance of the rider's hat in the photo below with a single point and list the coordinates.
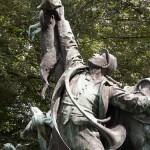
(111, 60)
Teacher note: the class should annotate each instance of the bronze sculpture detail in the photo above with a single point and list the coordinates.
(84, 93)
(48, 42)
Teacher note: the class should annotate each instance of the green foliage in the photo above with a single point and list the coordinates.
(20, 82)
(122, 26)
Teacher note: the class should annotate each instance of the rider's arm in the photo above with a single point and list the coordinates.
(128, 101)
(67, 40)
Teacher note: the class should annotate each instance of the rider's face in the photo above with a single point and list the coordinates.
(98, 60)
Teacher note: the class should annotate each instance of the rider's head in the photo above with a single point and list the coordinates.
(105, 60)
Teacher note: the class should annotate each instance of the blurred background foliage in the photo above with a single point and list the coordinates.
(122, 26)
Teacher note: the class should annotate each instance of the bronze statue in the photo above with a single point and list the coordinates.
(9, 146)
(82, 96)
(39, 127)
(46, 5)
(49, 54)
(137, 125)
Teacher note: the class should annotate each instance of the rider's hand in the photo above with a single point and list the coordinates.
(60, 13)
(49, 4)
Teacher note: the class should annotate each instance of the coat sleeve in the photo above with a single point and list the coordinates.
(129, 101)
(68, 44)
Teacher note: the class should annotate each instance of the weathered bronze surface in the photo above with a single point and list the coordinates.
(93, 91)
(39, 127)
(49, 46)
(86, 102)
(137, 125)
(9, 146)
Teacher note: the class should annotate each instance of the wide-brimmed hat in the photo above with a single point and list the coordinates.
(111, 60)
